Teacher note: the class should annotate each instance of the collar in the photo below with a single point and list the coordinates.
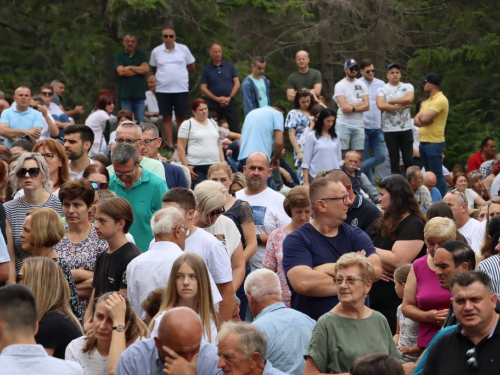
(25, 350)
(271, 308)
(164, 245)
(358, 201)
(212, 65)
(143, 179)
(174, 49)
(436, 95)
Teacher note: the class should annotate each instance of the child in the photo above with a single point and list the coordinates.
(407, 330)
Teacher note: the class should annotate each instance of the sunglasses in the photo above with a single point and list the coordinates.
(33, 172)
(217, 212)
(354, 69)
(45, 93)
(370, 71)
(99, 185)
(461, 194)
(168, 36)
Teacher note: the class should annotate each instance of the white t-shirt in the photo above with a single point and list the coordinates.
(202, 142)
(95, 122)
(151, 104)
(395, 121)
(495, 186)
(470, 231)
(268, 215)
(470, 195)
(225, 230)
(353, 93)
(171, 74)
(93, 364)
(52, 110)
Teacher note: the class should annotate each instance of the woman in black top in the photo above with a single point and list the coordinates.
(398, 237)
(58, 325)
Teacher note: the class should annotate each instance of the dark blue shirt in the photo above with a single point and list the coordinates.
(362, 213)
(307, 247)
(219, 80)
(174, 176)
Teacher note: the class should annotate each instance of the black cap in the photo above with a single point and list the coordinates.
(393, 65)
(433, 78)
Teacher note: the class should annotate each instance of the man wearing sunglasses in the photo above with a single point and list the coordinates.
(60, 118)
(171, 63)
(351, 96)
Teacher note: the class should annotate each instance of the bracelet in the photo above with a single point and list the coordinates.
(259, 240)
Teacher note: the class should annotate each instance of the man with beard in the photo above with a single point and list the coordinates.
(78, 140)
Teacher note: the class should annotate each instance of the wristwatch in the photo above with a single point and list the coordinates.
(259, 240)
(119, 328)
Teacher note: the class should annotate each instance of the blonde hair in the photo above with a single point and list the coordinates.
(42, 164)
(220, 166)
(47, 228)
(355, 259)
(440, 227)
(239, 178)
(206, 308)
(209, 195)
(401, 273)
(47, 282)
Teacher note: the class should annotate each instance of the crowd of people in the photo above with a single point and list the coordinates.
(131, 248)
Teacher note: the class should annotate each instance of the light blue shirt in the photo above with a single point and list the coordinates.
(320, 154)
(420, 366)
(436, 195)
(22, 359)
(258, 131)
(373, 117)
(262, 90)
(17, 120)
(142, 358)
(288, 334)
(4, 253)
(270, 370)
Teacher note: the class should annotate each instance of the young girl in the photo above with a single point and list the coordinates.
(407, 330)
(189, 286)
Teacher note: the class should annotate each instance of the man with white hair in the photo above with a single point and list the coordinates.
(288, 331)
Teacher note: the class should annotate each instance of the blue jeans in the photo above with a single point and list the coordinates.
(432, 158)
(374, 139)
(136, 106)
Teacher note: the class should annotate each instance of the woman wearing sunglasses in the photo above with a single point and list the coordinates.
(31, 173)
(80, 245)
(98, 177)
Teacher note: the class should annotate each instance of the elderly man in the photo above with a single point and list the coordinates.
(310, 252)
(178, 349)
(141, 188)
(242, 350)
(416, 180)
(359, 181)
(473, 346)
(430, 182)
(303, 78)
(288, 331)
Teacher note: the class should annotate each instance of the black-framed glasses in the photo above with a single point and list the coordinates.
(126, 140)
(33, 172)
(471, 354)
(453, 191)
(48, 155)
(217, 212)
(99, 185)
(148, 141)
(345, 199)
(45, 93)
(348, 280)
(19, 278)
(167, 36)
(354, 69)
(370, 71)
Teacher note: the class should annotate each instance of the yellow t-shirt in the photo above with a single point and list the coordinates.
(434, 133)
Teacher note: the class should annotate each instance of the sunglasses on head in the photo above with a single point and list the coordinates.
(99, 185)
(33, 172)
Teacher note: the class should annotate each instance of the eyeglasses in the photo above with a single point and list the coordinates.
(45, 93)
(354, 69)
(345, 199)
(148, 141)
(99, 185)
(131, 173)
(217, 212)
(472, 361)
(186, 230)
(166, 36)
(348, 280)
(48, 156)
(370, 71)
(461, 194)
(33, 172)
(19, 278)
(126, 140)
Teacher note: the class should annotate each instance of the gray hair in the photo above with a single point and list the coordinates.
(166, 220)
(411, 172)
(350, 152)
(251, 339)
(42, 164)
(145, 126)
(122, 153)
(262, 283)
(209, 195)
(131, 125)
(237, 301)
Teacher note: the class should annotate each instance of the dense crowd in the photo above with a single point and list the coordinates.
(151, 242)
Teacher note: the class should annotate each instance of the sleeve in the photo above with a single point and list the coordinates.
(439, 105)
(46, 328)
(364, 88)
(203, 76)
(219, 264)
(234, 72)
(381, 91)
(38, 119)
(152, 60)
(308, 150)
(339, 153)
(362, 242)
(433, 356)
(118, 60)
(234, 237)
(277, 120)
(295, 253)
(189, 56)
(246, 92)
(184, 130)
(271, 249)
(125, 368)
(413, 230)
(180, 177)
(317, 77)
(291, 120)
(144, 57)
(246, 213)
(410, 87)
(318, 346)
(96, 269)
(289, 82)
(393, 350)
(71, 351)
(339, 89)
(4, 118)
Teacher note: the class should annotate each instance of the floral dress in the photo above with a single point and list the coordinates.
(83, 255)
(299, 122)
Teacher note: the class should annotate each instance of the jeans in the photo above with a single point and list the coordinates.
(286, 167)
(136, 106)
(202, 172)
(374, 139)
(396, 141)
(432, 158)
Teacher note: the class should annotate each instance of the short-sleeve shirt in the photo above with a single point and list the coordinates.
(92, 363)
(172, 75)
(110, 269)
(240, 212)
(132, 87)
(219, 80)
(226, 232)
(434, 133)
(353, 91)
(395, 121)
(202, 141)
(298, 80)
(308, 247)
(17, 120)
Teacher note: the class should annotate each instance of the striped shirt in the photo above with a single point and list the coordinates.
(16, 213)
(491, 267)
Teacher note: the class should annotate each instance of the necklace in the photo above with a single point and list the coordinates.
(74, 245)
(51, 250)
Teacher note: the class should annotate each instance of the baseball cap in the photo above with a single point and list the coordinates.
(393, 65)
(433, 78)
(350, 63)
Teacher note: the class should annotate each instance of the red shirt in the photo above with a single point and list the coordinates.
(475, 161)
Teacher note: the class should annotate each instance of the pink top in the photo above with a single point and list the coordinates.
(274, 260)
(430, 296)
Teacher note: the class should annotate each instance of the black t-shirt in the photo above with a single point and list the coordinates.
(362, 214)
(110, 269)
(56, 331)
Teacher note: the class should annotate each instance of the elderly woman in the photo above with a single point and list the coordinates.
(425, 302)
(350, 330)
(461, 184)
(398, 237)
(210, 198)
(31, 173)
(80, 246)
(298, 207)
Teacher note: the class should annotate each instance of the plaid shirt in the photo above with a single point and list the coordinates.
(423, 196)
(485, 168)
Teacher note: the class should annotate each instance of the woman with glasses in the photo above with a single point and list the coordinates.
(351, 329)
(211, 198)
(56, 158)
(398, 237)
(80, 245)
(98, 177)
(322, 148)
(96, 121)
(461, 184)
(31, 173)
(198, 143)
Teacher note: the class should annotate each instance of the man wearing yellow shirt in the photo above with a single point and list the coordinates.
(432, 121)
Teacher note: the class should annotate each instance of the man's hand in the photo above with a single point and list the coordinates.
(286, 175)
(347, 109)
(275, 163)
(177, 365)
(437, 317)
(194, 176)
(34, 132)
(79, 109)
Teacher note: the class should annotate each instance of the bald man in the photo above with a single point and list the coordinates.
(304, 78)
(178, 349)
(430, 182)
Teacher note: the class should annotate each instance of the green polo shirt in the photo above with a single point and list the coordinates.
(145, 198)
(133, 87)
(152, 165)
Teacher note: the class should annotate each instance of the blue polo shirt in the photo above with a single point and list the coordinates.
(219, 80)
(17, 120)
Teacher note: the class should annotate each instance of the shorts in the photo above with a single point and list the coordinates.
(350, 134)
(170, 102)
